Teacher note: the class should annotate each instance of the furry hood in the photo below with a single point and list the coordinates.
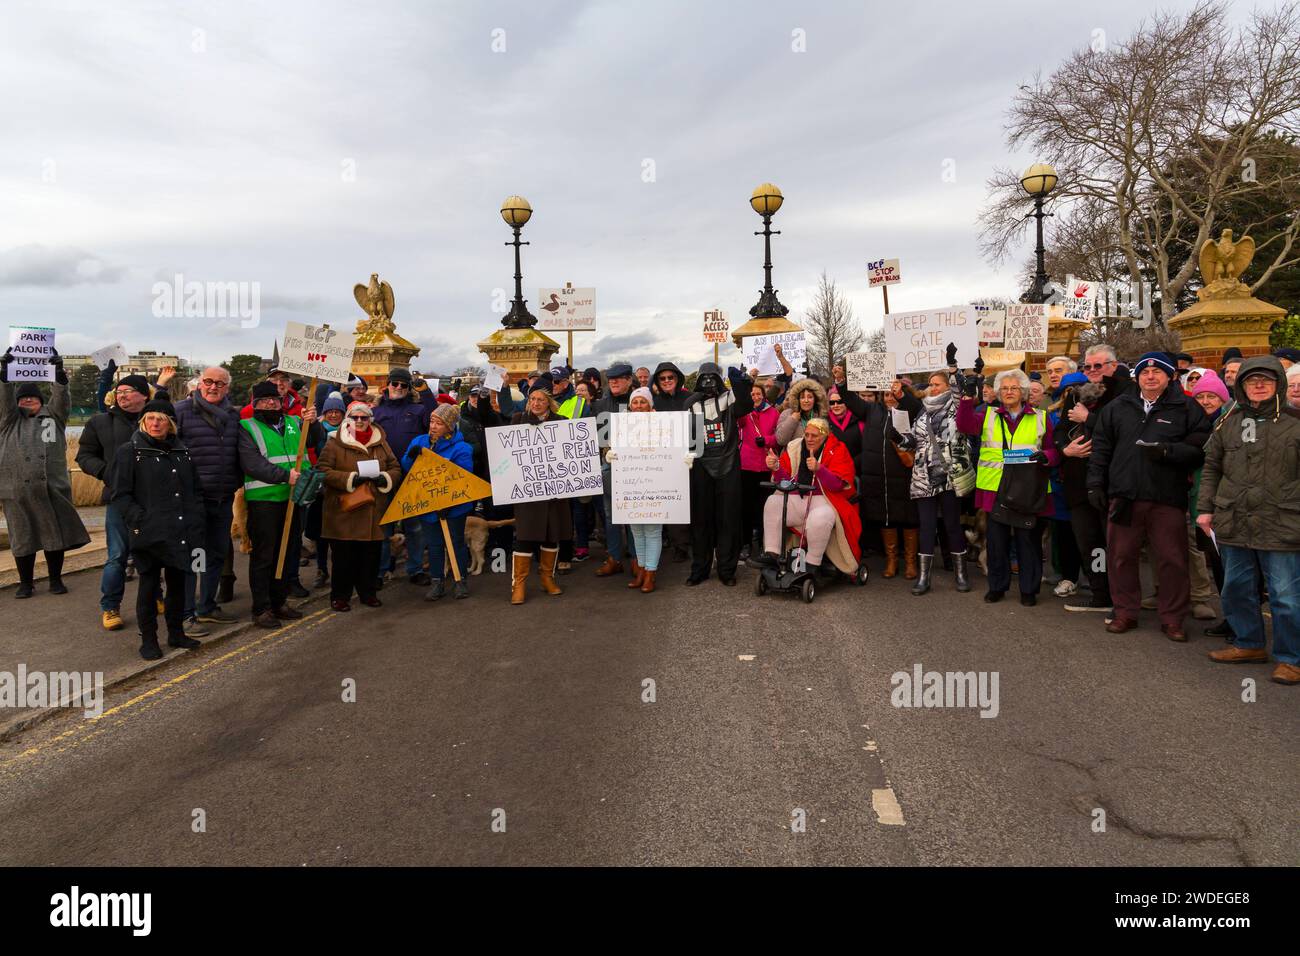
(820, 409)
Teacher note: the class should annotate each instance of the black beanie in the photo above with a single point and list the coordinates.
(160, 405)
(137, 382)
(29, 390)
(265, 390)
(399, 374)
(1229, 354)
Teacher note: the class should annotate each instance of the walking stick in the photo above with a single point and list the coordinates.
(451, 552)
(288, 512)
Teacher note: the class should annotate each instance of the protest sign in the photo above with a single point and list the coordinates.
(567, 310)
(494, 378)
(434, 484)
(32, 349)
(990, 322)
(869, 371)
(900, 420)
(317, 352)
(115, 352)
(649, 480)
(1079, 299)
(883, 272)
(716, 327)
(759, 352)
(1026, 329)
(556, 459)
(920, 340)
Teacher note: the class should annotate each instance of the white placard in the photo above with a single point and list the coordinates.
(1079, 298)
(649, 480)
(759, 352)
(883, 272)
(1026, 329)
(566, 310)
(32, 349)
(314, 351)
(990, 322)
(495, 376)
(556, 459)
(434, 385)
(920, 340)
(870, 371)
(368, 468)
(116, 352)
(716, 326)
(900, 420)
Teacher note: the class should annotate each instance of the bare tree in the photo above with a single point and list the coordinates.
(1163, 131)
(831, 328)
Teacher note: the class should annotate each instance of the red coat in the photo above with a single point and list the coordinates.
(834, 479)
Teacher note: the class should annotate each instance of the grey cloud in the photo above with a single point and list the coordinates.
(55, 267)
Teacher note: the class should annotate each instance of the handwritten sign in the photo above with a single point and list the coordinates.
(870, 371)
(883, 272)
(116, 352)
(716, 326)
(566, 310)
(1079, 299)
(991, 322)
(494, 378)
(433, 484)
(32, 349)
(314, 351)
(759, 351)
(556, 459)
(920, 340)
(1026, 329)
(649, 480)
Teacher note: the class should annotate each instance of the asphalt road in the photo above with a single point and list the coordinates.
(474, 712)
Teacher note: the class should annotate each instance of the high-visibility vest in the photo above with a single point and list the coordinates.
(1028, 434)
(279, 450)
(573, 407)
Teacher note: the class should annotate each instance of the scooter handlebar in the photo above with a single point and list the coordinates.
(787, 486)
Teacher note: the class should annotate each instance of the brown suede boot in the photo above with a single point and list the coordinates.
(546, 570)
(609, 567)
(648, 584)
(638, 573)
(519, 579)
(890, 537)
(911, 543)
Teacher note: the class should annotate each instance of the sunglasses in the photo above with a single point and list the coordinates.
(398, 385)
(837, 401)
(359, 418)
(1096, 366)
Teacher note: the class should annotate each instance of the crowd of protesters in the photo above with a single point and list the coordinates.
(1076, 475)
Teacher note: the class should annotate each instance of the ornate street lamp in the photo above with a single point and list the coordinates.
(516, 212)
(1038, 180)
(768, 314)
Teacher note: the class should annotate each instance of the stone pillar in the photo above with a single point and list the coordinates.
(519, 350)
(1213, 325)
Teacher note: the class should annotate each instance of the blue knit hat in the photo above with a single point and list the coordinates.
(334, 403)
(1159, 359)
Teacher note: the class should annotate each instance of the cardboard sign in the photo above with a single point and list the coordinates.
(760, 353)
(32, 349)
(556, 459)
(1079, 299)
(115, 352)
(870, 371)
(920, 339)
(566, 310)
(649, 480)
(991, 322)
(883, 272)
(900, 420)
(494, 378)
(314, 351)
(716, 326)
(1026, 329)
(433, 484)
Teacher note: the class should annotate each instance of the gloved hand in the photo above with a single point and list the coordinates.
(361, 479)
(1039, 458)
(60, 376)
(611, 455)
(737, 377)
(952, 354)
(4, 364)
(979, 365)
(970, 386)
(1157, 452)
(1097, 498)
(690, 460)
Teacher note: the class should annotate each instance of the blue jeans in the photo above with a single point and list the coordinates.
(436, 547)
(1242, 568)
(649, 543)
(614, 533)
(412, 528)
(216, 542)
(112, 583)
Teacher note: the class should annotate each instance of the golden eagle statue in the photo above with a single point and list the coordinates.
(1222, 264)
(376, 300)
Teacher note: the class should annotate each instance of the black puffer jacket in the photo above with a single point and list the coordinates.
(1121, 468)
(1074, 471)
(157, 486)
(103, 435)
(884, 483)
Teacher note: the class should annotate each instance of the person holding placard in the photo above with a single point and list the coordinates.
(444, 439)
(402, 418)
(619, 540)
(805, 400)
(35, 488)
(757, 435)
(648, 539)
(360, 469)
(540, 526)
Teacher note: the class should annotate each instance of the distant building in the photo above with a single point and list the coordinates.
(268, 364)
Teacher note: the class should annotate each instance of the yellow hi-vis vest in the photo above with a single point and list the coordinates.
(279, 450)
(1028, 435)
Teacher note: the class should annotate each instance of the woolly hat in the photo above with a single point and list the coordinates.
(334, 403)
(1210, 382)
(31, 390)
(139, 383)
(399, 374)
(1290, 354)
(354, 382)
(449, 415)
(445, 399)
(265, 390)
(1159, 359)
(1229, 354)
(363, 407)
(644, 392)
(160, 405)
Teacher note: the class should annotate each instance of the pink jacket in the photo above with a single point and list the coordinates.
(753, 457)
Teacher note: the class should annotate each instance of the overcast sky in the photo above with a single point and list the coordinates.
(304, 145)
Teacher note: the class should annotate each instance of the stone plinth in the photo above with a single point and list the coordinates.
(1212, 325)
(378, 352)
(519, 350)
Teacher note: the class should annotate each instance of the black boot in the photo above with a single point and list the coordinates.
(922, 584)
(149, 648)
(25, 590)
(1223, 629)
(959, 569)
(226, 589)
(180, 640)
(435, 591)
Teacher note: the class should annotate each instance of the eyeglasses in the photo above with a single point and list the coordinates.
(214, 383)
(1096, 366)
(398, 385)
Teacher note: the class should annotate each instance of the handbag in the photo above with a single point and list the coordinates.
(360, 496)
(1022, 490)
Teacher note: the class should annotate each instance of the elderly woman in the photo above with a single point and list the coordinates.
(825, 515)
(805, 400)
(35, 490)
(539, 525)
(941, 474)
(1012, 435)
(1293, 386)
(157, 488)
(360, 470)
(445, 440)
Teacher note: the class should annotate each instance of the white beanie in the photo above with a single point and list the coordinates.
(644, 392)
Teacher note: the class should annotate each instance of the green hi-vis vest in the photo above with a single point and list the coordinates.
(279, 450)
(573, 407)
(1028, 435)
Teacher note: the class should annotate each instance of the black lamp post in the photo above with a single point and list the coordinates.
(766, 200)
(1038, 180)
(516, 211)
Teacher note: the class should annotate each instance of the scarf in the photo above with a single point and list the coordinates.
(221, 412)
(362, 436)
(937, 408)
(804, 475)
(841, 421)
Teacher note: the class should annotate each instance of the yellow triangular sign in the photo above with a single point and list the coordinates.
(433, 484)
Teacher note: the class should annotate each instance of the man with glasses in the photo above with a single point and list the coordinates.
(402, 417)
(208, 423)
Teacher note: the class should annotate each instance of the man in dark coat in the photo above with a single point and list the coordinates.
(402, 417)
(1145, 447)
(715, 477)
(613, 402)
(884, 482)
(671, 395)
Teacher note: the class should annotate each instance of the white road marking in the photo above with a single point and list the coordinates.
(885, 804)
